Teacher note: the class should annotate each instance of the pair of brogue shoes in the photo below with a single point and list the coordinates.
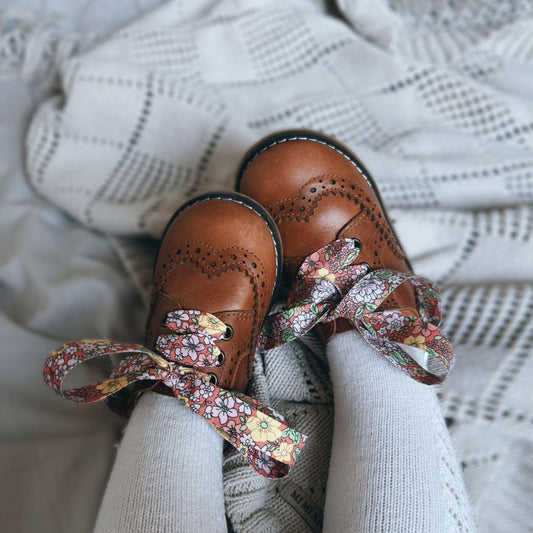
(225, 253)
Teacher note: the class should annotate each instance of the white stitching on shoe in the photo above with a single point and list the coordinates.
(305, 138)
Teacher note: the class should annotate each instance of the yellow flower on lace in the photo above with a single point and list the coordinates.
(418, 342)
(324, 273)
(283, 453)
(263, 428)
(184, 400)
(112, 385)
(211, 324)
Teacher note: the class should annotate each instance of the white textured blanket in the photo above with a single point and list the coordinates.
(436, 99)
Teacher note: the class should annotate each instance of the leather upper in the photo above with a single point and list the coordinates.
(315, 193)
(218, 256)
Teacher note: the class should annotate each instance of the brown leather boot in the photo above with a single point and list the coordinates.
(317, 191)
(216, 270)
(221, 254)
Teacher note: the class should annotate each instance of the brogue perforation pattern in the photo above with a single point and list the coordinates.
(303, 207)
(215, 262)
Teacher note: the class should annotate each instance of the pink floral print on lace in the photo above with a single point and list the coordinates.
(330, 285)
(259, 433)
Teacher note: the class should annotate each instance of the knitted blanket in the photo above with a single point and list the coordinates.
(434, 96)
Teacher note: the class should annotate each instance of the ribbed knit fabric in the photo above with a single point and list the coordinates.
(392, 467)
(168, 473)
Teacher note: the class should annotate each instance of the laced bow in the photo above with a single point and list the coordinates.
(331, 285)
(259, 433)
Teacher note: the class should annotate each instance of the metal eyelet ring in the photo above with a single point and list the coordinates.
(212, 378)
(357, 242)
(366, 266)
(228, 334)
(221, 357)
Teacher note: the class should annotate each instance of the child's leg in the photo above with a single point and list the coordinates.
(393, 468)
(167, 475)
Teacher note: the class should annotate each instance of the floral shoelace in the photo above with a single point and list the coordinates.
(331, 285)
(259, 433)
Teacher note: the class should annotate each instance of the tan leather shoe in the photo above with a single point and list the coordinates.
(317, 191)
(220, 253)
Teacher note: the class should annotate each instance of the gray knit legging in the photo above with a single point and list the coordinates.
(392, 468)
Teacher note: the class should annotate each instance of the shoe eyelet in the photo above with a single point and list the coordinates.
(228, 334)
(212, 378)
(366, 266)
(221, 357)
(357, 242)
